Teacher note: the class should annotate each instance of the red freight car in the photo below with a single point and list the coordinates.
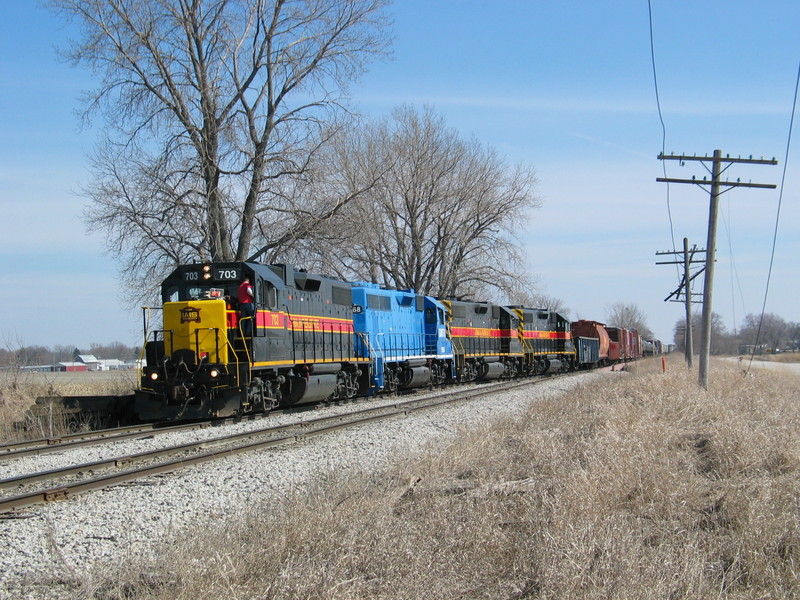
(594, 329)
(619, 344)
(636, 342)
(627, 341)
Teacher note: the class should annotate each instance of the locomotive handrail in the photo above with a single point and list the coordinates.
(236, 362)
(146, 318)
(378, 346)
(171, 333)
(197, 341)
(305, 346)
(243, 337)
(459, 351)
(145, 330)
(400, 344)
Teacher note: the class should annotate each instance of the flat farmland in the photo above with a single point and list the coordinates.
(70, 383)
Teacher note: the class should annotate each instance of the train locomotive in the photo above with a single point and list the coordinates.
(312, 338)
(299, 346)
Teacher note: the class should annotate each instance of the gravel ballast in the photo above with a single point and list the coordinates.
(48, 547)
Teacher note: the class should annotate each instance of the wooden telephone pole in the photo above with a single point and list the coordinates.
(711, 253)
(685, 287)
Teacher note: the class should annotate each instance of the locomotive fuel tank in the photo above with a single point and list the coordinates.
(491, 370)
(415, 377)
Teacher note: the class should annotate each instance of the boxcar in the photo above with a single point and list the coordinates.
(596, 330)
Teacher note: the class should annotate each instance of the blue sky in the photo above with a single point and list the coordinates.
(564, 87)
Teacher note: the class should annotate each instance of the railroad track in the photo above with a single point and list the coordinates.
(70, 441)
(70, 480)
(100, 436)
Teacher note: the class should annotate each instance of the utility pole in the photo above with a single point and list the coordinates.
(686, 283)
(711, 251)
(688, 337)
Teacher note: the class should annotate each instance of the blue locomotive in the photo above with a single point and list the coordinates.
(404, 336)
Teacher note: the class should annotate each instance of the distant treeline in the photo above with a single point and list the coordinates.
(770, 332)
(44, 355)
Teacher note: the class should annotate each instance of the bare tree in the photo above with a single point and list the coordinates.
(209, 106)
(540, 300)
(794, 336)
(722, 341)
(768, 329)
(629, 316)
(442, 218)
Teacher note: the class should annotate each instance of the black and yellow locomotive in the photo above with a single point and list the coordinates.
(206, 360)
(491, 341)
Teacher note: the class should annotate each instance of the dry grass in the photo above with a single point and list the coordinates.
(642, 488)
(781, 357)
(19, 390)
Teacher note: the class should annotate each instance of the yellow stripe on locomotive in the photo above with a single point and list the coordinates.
(199, 326)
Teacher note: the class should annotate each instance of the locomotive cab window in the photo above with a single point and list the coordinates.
(269, 296)
(376, 302)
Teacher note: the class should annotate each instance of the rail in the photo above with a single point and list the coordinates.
(190, 453)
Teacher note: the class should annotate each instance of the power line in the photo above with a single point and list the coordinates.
(777, 215)
(734, 271)
(660, 118)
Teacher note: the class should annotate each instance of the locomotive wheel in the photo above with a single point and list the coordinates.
(256, 396)
(512, 370)
(390, 381)
(438, 375)
(469, 372)
(348, 384)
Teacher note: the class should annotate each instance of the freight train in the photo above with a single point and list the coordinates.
(308, 338)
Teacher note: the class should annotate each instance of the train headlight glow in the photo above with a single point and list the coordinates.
(154, 375)
(214, 373)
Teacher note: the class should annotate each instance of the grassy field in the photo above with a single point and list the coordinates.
(645, 488)
(782, 357)
(19, 390)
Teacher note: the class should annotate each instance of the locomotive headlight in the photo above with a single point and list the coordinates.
(214, 373)
(154, 375)
(206, 271)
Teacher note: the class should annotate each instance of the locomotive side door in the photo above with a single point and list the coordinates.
(436, 340)
(265, 303)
